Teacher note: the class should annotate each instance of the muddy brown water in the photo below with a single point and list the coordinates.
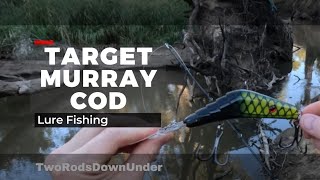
(18, 136)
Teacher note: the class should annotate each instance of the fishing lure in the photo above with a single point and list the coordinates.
(242, 104)
(236, 104)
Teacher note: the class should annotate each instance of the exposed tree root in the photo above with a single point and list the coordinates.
(237, 44)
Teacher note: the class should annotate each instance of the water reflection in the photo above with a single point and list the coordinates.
(16, 138)
(18, 168)
(20, 137)
(308, 37)
(302, 86)
(57, 136)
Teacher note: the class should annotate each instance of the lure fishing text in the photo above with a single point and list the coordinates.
(92, 78)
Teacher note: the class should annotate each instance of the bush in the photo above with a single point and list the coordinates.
(93, 22)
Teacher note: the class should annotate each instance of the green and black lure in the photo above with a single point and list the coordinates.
(242, 104)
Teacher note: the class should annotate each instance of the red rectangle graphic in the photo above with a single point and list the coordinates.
(43, 42)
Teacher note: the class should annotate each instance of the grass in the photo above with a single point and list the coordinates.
(93, 22)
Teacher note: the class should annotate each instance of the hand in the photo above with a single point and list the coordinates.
(98, 145)
(310, 123)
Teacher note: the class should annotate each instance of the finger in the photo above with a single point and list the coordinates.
(306, 135)
(311, 124)
(316, 143)
(127, 149)
(152, 146)
(313, 108)
(78, 140)
(143, 154)
(109, 141)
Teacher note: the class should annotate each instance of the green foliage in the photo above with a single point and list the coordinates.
(93, 22)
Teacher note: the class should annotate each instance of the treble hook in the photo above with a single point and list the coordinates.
(297, 138)
(214, 152)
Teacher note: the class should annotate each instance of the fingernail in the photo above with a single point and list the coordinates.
(308, 121)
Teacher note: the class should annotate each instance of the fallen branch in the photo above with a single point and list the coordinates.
(191, 87)
(178, 101)
(297, 49)
(299, 79)
(26, 68)
(31, 86)
(265, 146)
(274, 80)
(10, 77)
(194, 14)
(217, 86)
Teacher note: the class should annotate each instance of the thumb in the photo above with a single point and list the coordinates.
(311, 124)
